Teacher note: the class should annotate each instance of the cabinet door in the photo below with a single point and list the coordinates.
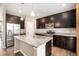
(58, 22)
(48, 48)
(71, 43)
(22, 24)
(62, 42)
(58, 41)
(66, 19)
(40, 23)
(12, 19)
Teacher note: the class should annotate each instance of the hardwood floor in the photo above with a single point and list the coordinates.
(62, 52)
(55, 52)
(7, 51)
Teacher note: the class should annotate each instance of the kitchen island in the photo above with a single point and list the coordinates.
(31, 46)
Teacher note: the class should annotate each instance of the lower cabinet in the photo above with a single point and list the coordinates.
(71, 43)
(64, 42)
(48, 48)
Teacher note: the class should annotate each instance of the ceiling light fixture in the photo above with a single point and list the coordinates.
(32, 14)
(21, 18)
(64, 5)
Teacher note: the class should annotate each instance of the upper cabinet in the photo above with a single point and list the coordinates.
(15, 20)
(22, 24)
(41, 23)
(12, 19)
(61, 20)
(66, 19)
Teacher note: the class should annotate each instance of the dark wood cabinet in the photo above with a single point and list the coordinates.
(71, 43)
(64, 42)
(15, 20)
(59, 41)
(48, 48)
(41, 23)
(66, 19)
(22, 24)
(12, 19)
(61, 20)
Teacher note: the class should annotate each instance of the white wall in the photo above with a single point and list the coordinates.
(3, 18)
(30, 25)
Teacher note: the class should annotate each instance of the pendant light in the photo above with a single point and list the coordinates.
(20, 11)
(32, 12)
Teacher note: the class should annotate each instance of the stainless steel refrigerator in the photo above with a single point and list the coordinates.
(12, 30)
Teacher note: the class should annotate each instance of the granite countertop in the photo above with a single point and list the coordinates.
(61, 34)
(66, 34)
(35, 41)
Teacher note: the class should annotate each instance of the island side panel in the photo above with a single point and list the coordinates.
(40, 51)
(27, 49)
(16, 45)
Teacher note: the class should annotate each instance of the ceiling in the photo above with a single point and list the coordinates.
(40, 9)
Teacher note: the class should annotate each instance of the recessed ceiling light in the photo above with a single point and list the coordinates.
(64, 5)
(21, 18)
(65, 15)
(32, 13)
(20, 11)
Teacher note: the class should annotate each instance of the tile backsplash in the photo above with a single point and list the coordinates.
(58, 30)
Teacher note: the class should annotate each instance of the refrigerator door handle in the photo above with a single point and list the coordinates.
(9, 33)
